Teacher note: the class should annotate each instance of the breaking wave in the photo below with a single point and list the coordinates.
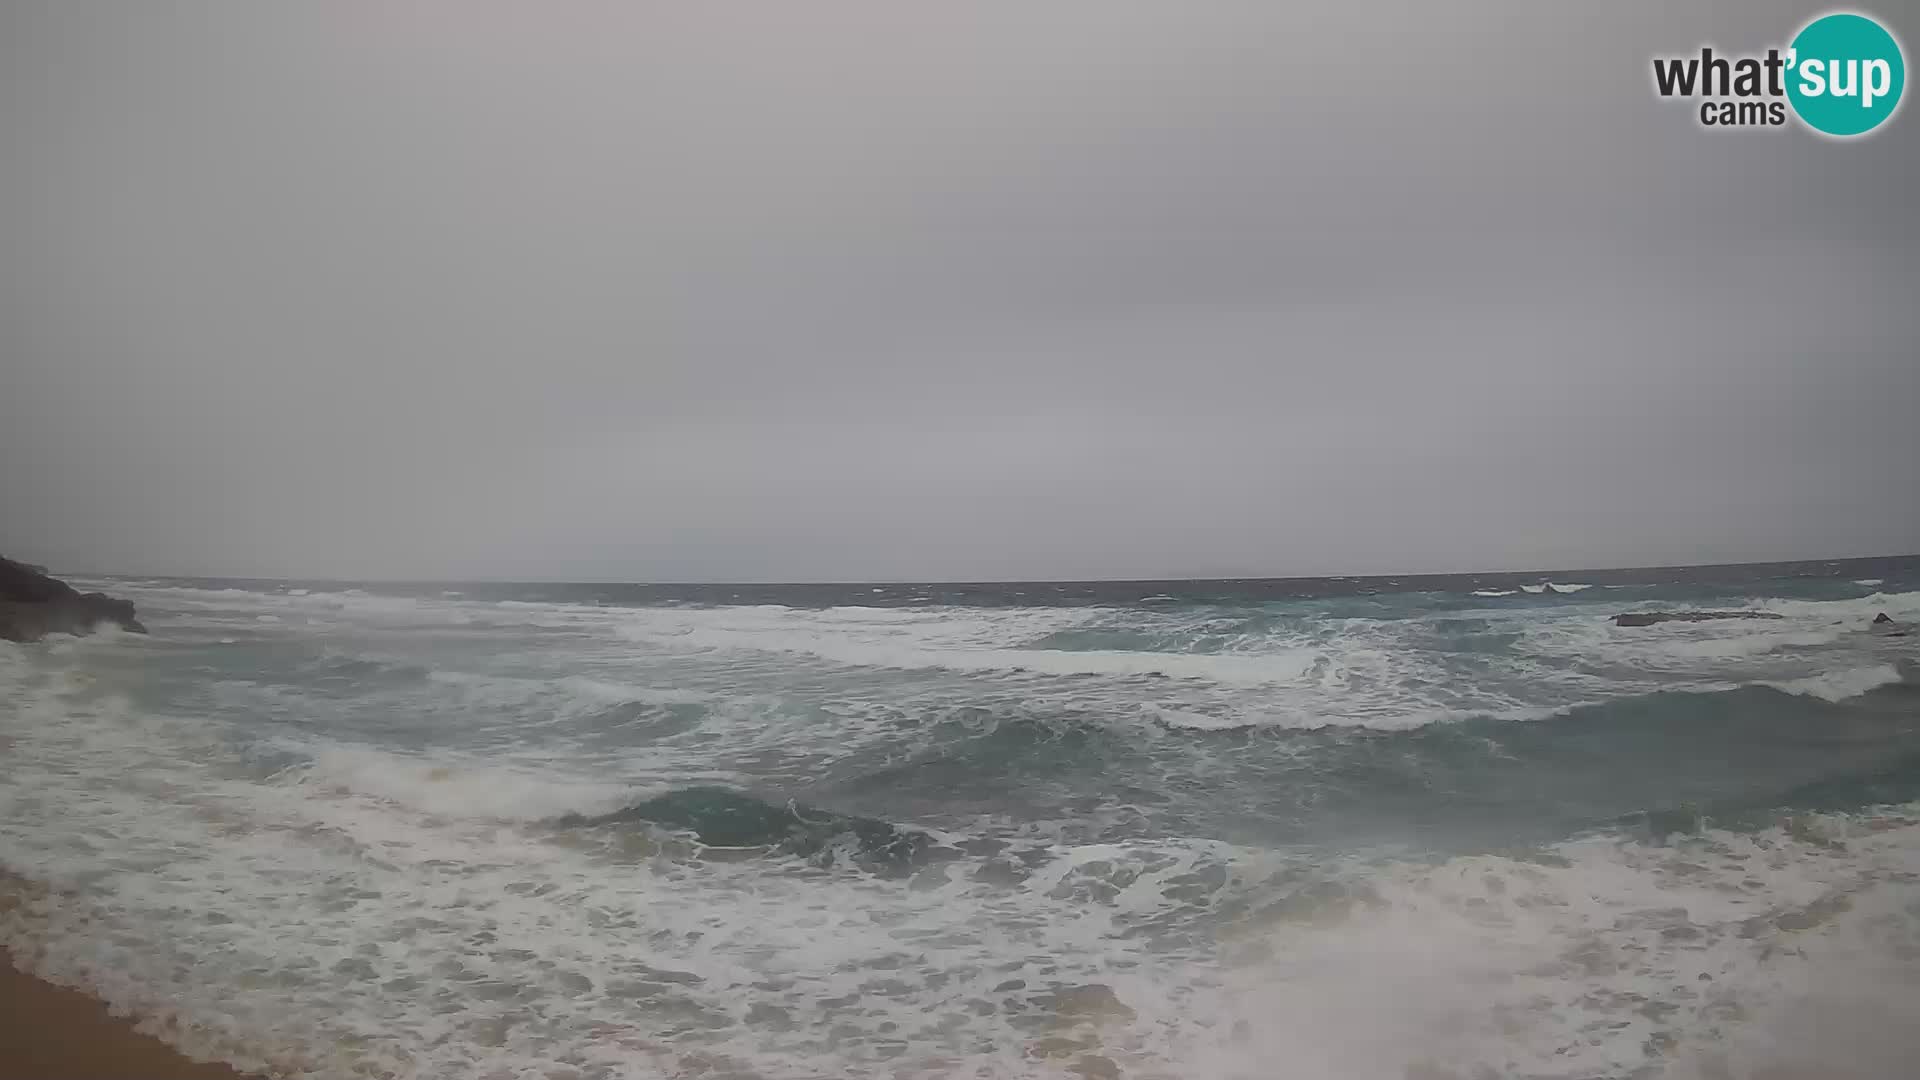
(483, 832)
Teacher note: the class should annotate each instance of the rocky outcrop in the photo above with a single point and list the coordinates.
(1648, 618)
(1884, 626)
(33, 605)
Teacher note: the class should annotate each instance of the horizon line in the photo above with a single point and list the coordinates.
(930, 582)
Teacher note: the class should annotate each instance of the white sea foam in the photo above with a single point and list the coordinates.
(1603, 960)
(1311, 673)
(382, 918)
(355, 917)
(949, 640)
(1234, 670)
(457, 785)
(572, 692)
(1899, 605)
(412, 912)
(1718, 644)
(1843, 684)
(1181, 718)
(1493, 592)
(1811, 640)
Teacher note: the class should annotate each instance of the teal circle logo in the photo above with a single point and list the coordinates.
(1845, 74)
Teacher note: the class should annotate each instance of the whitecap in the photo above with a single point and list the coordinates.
(1841, 685)
(1193, 721)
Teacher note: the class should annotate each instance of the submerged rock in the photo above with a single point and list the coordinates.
(33, 605)
(723, 818)
(1648, 618)
(1095, 1002)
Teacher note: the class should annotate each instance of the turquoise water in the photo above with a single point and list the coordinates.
(1355, 826)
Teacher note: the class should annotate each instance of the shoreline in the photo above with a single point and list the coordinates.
(62, 1034)
(54, 1032)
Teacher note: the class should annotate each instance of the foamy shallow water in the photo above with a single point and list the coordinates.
(1178, 843)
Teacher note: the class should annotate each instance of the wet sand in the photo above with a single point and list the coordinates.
(52, 1033)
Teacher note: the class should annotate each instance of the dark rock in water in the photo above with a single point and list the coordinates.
(1886, 627)
(33, 605)
(24, 584)
(1648, 618)
(720, 817)
(1882, 618)
(1094, 1001)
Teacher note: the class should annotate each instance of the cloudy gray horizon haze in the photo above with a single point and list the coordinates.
(864, 291)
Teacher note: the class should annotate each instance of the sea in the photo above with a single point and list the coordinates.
(1408, 828)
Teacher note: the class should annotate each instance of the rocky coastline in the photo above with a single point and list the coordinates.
(34, 604)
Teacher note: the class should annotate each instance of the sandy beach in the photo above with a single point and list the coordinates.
(53, 1033)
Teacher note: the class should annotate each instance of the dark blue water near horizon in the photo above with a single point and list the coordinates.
(1793, 577)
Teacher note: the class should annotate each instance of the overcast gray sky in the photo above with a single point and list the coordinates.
(982, 290)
